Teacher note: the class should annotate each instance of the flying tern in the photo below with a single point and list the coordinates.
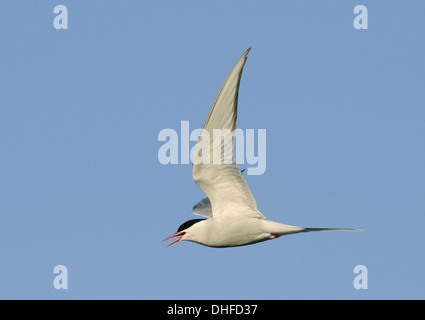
(231, 217)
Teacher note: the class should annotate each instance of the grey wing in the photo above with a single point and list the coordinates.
(203, 208)
(223, 183)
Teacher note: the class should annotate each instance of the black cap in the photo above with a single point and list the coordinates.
(188, 224)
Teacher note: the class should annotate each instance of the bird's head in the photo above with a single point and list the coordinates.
(184, 231)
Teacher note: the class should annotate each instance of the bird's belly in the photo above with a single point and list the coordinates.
(229, 234)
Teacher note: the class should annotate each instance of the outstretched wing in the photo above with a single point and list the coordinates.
(218, 175)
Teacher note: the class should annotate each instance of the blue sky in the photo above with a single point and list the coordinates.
(80, 180)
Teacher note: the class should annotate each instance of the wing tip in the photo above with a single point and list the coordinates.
(246, 52)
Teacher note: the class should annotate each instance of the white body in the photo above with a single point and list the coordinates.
(236, 231)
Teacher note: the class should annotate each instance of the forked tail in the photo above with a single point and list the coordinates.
(280, 229)
(328, 229)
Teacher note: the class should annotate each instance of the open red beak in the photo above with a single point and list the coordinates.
(181, 234)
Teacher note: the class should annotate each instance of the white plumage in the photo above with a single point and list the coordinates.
(232, 217)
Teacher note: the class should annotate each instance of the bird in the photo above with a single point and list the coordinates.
(229, 210)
